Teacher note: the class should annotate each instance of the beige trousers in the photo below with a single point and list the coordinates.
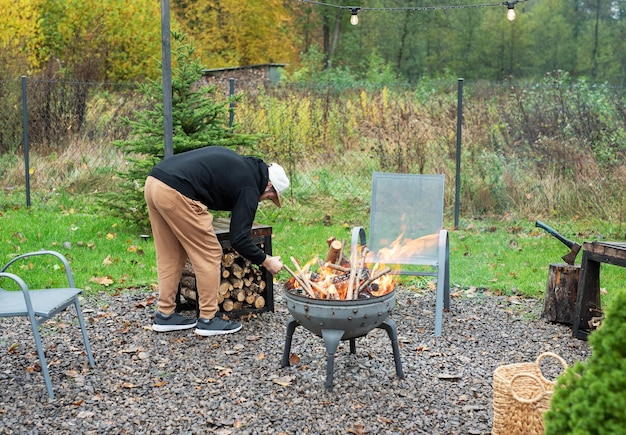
(183, 228)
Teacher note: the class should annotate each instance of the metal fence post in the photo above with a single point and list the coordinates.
(168, 134)
(459, 123)
(25, 135)
(231, 118)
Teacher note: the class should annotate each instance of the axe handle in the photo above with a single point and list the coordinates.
(553, 232)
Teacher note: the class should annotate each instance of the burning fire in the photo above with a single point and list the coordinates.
(338, 278)
(401, 250)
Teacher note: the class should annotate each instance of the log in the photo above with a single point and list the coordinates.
(228, 305)
(240, 287)
(561, 292)
(259, 302)
(188, 281)
(224, 288)
(228, 259)
(237, 271)
(334, 251)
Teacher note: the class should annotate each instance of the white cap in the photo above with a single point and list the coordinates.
(279, 180)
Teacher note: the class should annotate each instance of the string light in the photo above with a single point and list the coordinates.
(510, 10)
(354, 19)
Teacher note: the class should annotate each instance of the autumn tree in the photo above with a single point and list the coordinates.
(95, 40)
(235, 33)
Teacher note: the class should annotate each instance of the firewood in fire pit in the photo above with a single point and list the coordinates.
(347, 280)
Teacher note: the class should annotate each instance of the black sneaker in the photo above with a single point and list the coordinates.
(216, 326)
(173, 322)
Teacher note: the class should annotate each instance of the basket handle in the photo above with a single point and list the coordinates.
(542, 390)
(549, 355)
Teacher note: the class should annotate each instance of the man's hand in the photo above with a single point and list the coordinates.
(273, 264)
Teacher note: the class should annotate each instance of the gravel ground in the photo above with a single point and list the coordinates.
(173, 383)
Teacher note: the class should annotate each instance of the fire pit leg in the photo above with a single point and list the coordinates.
(292, 324)
(392, 330)
(331, 337)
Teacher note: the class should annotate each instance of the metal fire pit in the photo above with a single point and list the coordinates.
(336, 320)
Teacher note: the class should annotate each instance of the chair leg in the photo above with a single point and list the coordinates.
(42, 357)
(443, 282)
(81, 322)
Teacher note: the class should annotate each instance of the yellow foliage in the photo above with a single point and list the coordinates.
(20, 27)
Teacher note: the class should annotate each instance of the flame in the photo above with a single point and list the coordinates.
(402, 250)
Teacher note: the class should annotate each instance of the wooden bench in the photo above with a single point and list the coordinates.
(588, 304)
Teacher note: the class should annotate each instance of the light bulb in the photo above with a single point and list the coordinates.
(510, 14)
(354, 18)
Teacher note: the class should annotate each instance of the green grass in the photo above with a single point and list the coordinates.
(500, 255)
(104, 253)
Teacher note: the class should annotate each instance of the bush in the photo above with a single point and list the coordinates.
(590, 397)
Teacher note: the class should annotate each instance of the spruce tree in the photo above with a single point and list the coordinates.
(198, 121)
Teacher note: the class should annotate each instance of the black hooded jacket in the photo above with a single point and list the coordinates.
(222, 180)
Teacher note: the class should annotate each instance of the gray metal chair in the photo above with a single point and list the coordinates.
(41, 305)
(406, 229)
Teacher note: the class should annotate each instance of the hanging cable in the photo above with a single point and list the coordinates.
(354, 10)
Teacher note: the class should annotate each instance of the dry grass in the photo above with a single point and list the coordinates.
(331, 144)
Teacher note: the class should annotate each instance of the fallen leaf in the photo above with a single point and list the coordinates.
(107, 260)
(128, 385)
(284, 381)
(294, 359)
(357, 429)
(103, 280)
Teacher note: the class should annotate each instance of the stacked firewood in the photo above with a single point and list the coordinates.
(337, 277)
(242, 285)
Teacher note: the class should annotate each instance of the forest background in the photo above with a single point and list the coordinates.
(116, 40)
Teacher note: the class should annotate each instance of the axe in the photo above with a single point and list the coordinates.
(574, 247)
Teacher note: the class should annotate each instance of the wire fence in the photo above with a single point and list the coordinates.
(68, 147)
(330, 143)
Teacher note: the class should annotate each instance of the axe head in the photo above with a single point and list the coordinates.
(570, 257)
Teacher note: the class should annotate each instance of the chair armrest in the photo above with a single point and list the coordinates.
(358, 239)
(61, 257)
(23, 286)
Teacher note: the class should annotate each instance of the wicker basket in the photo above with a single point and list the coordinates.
(521, 394)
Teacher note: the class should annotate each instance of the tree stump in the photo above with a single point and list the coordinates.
(561, 291)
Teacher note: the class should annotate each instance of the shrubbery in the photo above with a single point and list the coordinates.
(590, 397)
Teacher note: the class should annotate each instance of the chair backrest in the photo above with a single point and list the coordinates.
(406, 216)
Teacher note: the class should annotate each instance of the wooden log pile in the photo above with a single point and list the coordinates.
(337, 277)
(242, 285)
